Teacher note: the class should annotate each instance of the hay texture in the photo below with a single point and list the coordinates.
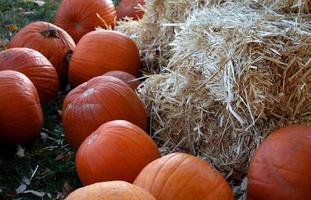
(235, 75)
(157, 29)
(285, 6)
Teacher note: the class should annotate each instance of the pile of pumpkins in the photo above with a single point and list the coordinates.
(105, 121)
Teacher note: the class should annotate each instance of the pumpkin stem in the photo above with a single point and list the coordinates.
(50, 33)
(68, 55)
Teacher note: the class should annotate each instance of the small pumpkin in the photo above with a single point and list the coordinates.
(21, 117)
(78, 17)
(97, 101)
(101, 51)
(280, 168)
(53, 42)
(113, 190)
(130, 8)
(117, 150)
(126, 77)
(35, 66)
(180, 176)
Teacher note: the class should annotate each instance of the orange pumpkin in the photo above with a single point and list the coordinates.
(180, 176)
(35, 66)
(126, 77)
(113, 190)
(78, 17)
(21, 118)
(53, 42)
(280, 168)
(101, 51)
(97, 101)
(117, 150)
(130, 8)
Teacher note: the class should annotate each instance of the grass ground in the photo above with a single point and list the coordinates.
(46, 170)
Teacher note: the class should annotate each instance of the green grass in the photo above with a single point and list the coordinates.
(15, 14)
(52, 156)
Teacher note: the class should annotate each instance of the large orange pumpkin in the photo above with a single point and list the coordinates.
(101, 51)
(117, 150)
(180, 176)
(97, 101)
(126, 77)
(21, 118)
(113, 190)
(79, 17)
(53, 42)
(130, 8)
(280, 168)
(35, 66)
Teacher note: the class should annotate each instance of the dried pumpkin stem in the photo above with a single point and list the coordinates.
(50, 33)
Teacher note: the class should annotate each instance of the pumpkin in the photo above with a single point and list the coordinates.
(21, 117)
(280, 168)
(126, 77)
(97, 101)
(130, 8)
(35, 66)
(113, 190)
(180, 176)
(117, 150)
(53, 42)
(101, 51)
(79, 17)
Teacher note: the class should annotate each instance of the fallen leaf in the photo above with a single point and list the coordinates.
(28, 13)
(39, 2)
(67, 189)
(59, 112)
(20, 151)
(26, 180)
(36, 193)
(12, 27)
(21, 188)
(44, 136)
(59, 157)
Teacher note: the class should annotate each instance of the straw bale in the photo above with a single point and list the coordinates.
(286, 6)
(235, 75)
(157, 29)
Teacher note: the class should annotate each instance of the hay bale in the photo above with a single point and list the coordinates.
(157, 29)
(236, 74)
(287, 6)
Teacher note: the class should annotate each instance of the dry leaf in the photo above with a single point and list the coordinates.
(36, 193)
(21, 188)
(44, 136)
(59, 112)
(39, 2)
(59, 157)
(67, 189)
(20, 151)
